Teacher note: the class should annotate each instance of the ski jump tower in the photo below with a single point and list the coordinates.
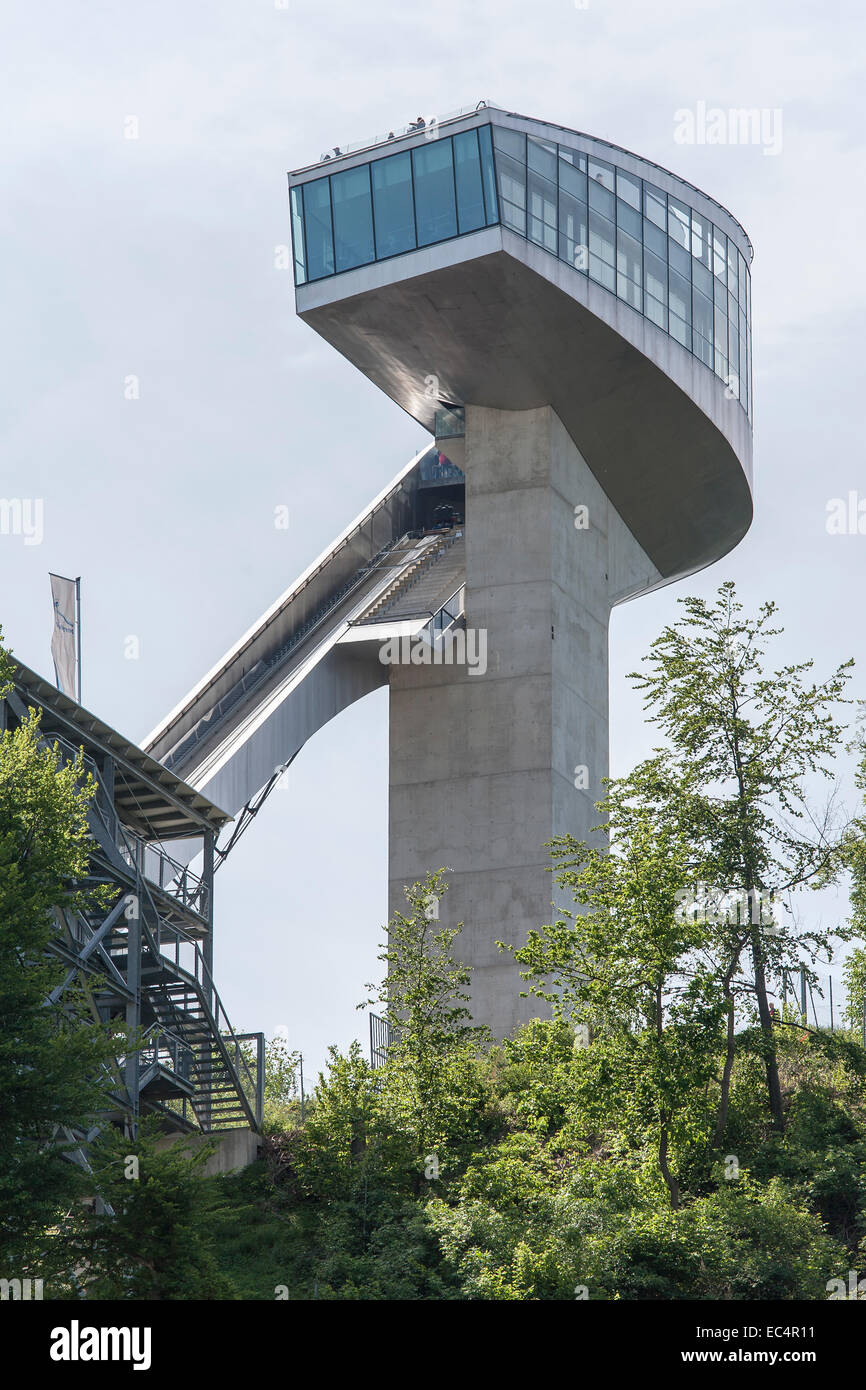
(572, 325)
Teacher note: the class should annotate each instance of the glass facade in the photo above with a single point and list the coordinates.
(646, 247)
(433, 192)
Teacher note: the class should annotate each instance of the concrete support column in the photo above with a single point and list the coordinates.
(133, 980)
(487, 765)
(207, 879)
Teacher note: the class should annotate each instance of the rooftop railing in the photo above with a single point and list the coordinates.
(428, 124)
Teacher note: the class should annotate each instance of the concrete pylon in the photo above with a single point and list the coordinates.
(488, 764)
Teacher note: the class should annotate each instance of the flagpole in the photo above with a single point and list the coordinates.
(78, 644)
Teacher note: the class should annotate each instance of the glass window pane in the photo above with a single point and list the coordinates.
(601, 237)
(628, 188)
(656, 311)
(572, 231)
(702, 232)
(628, 219)
(702, 348)
(489, 172)
(734, 357)
(720, 295)
(573, 181)
(628, 256)
(732, 308)
(628, 290)
(542, 211)
(467, 172)
(703, 312)
(573, 157)
(680, 329)
(601, 198)
(601, 174)
(512, 192)
(601, 250)
(720, 341)
(541, 156)
(600, 271)
(732, 266)
(679, 223)
(655, 239)
(353, 217)
(317, 229)
(741, 279)
(435, 213)
(654, 203)
(680, 259)
(298, 236)
(656, 273)
(703, 278)
(392, 205)
(511, 142)
(719, 254)
(680, 296)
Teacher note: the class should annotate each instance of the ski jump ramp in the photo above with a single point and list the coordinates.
(315, 650)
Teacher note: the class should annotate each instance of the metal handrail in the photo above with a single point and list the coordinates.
(202, 976)
(193, 889)
(158, 1041)
(411, 128)
(441, 627)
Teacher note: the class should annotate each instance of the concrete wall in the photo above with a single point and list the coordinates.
(482, 767)
(238, 1148)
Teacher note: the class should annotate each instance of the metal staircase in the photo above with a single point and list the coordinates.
(419, 589)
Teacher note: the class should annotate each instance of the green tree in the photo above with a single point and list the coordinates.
(742, 743)
(628, 972)
(431, 1060)
(148, 1234)
(854, 975)
(854, 970)
(51, 1057)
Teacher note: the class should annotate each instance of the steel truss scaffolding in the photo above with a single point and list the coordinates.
(148, 959)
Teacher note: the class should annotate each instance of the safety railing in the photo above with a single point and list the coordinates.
(161, 1047)
(450, 615)
(198, 972)
(381, 1038)
(429, 124)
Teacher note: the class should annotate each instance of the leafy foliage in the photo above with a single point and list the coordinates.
(50, 1058)
(143, 1235)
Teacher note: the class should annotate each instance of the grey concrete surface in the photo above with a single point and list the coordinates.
(482, 767)
(236, 1149)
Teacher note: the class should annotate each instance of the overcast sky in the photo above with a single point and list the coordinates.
(154, 257)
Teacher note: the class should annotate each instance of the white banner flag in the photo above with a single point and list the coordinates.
(63, 641)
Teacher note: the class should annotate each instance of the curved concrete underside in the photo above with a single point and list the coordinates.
(501, 323)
